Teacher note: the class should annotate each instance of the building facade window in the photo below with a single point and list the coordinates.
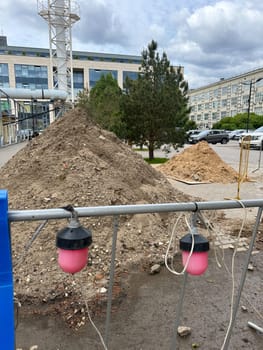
(234, 88)
(224, 103)
(259, 110)
(78, 80)
(96, 74)
(31, 77)
(130, 75)
(259, 97)
(234, 101)
(4, 77)
(224, 90)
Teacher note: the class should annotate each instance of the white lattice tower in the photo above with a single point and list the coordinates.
(60, 17)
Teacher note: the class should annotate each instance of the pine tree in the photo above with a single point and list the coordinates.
(155, 107)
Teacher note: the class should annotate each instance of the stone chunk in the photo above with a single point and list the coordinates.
(156, 268)
(183, 331)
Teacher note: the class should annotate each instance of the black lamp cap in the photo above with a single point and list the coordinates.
(73, 238)
(201, 244)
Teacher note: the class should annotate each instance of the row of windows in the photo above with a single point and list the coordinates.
(241, 87)
(219, 115)
(227, 103)
(36, 77)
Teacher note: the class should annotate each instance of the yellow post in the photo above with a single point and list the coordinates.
(243, 162)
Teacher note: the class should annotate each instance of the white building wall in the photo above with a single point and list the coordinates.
(226, 98)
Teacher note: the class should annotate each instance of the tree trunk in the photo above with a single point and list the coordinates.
(151, 150)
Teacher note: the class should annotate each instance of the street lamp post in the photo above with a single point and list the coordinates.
(249, 98)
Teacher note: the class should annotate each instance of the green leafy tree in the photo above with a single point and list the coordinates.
(154, 107)
(240, 121)
(103, 103)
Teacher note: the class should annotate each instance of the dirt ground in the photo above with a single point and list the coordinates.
(144, 318)
(83, 165)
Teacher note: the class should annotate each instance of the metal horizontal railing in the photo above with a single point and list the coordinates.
(116, 211)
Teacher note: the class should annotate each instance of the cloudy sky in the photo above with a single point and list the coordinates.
(211, 39)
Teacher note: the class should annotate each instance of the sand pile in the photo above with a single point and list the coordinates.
(75, 162)
(199, 163)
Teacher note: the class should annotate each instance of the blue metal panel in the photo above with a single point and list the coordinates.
(7, 328)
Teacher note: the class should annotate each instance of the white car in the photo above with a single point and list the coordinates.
(256, 139)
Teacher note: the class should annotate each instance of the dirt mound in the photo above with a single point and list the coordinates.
(75, 162)
(199, 163)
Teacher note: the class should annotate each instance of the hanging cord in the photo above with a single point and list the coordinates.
(81, 290)
(213, 235)
(74, 215)
(169, 245)
(232, 273)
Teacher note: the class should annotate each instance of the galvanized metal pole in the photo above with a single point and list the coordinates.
(178, 312)
(111, 282)
(59, 213)
(243, 278)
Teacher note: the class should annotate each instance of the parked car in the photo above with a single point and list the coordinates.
(191, 133)
(211, 136)
(235, 134)
(254, 139)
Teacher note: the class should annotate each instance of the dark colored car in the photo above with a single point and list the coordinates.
(211, 136)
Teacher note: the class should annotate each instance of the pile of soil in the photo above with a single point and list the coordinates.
(75, 162)
(199, 163)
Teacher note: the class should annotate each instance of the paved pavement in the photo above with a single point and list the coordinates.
(8, 152)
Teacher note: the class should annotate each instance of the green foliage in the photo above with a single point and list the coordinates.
(103, 104)
(239, 121)
(190, 125)
(154, 107)
(83, 99)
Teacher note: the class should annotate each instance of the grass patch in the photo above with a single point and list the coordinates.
(156, 160)
(140, 149)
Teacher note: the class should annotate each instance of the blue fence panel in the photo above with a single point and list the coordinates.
(7, 328)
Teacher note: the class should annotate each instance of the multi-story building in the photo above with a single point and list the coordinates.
(24, 67)
(226, 98)
(29, 68)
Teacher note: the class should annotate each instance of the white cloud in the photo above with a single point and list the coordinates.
(210, 38)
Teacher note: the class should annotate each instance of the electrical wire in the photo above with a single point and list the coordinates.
(81, 289)
(22, 258)
(214, 235)
(94, 326)
(169, 245)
